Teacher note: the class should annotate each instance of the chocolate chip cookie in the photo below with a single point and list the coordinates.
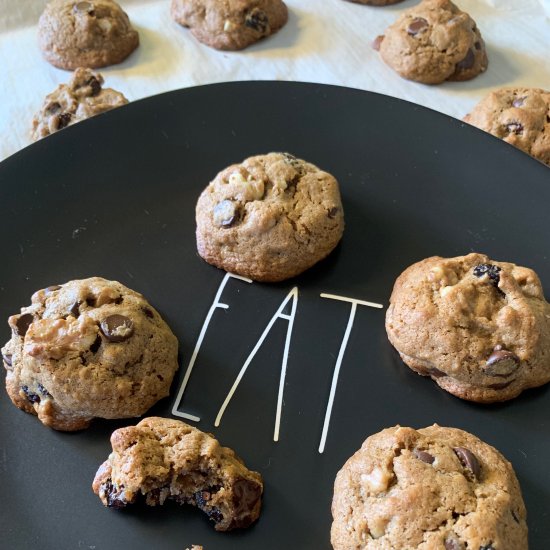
(269, 218)
(479, 328)
(519, 116)
(85, 349)
(433, 42)
(83, 97)
(85, 34)
(231, 24)
(435, 488)
(162, 459)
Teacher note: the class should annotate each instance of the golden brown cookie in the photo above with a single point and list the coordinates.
(269, 218)
(430, 489)
(230, 24)
(162, 459)
(83, 97)
(85, 349)
(519, 116)
(479, 328)
(74, 34)
(433, 42)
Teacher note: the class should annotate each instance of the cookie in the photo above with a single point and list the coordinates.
(431, 489)
(161, 459)
(86, 349)
(479, 328)
(231, 24)
(269, 218)
(83, 97)
(519, 116)
(433, 42)
(85, 34)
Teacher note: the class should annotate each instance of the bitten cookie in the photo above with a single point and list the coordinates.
(85, 349)
(519, 116)
(435, 488)
(269, 218)
(162, 459)
(433, 42)
(231, 24)
(85, 34)
(83, 97)
(479, 328)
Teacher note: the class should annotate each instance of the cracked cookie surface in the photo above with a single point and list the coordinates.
(160, 459)
(82, 97)
(430, 489)
(230, 24)
(479, 328)
(88, 348)
(92, 34)
(433, 42)
(269, 218)
(519, 116)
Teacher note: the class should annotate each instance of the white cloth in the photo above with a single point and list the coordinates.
(326, 41)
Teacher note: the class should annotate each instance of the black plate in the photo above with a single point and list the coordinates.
(115, 197)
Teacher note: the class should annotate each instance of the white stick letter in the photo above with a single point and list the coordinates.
(292, 295)
(216, 304)
(343, 346)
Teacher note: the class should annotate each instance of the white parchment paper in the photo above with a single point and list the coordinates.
(326, 41)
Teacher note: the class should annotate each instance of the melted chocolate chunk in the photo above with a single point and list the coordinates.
(424, 456)
(114, 497)
(7, 359)
(23, 323)
(225, 213)
(31, 397)
(63, 120)
(501, 363)
(257, 19)
(75, 309)
(468, 61)
(492, 271)
(117, 328)
(515, 128)
(417, 25)
(468, 460)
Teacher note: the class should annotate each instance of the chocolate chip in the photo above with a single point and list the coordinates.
(424, 456)
(75, 309)
(246, 494)
(113, 496)
(417, 25)
(519, 101)
(148, 312)
(96, 345)
(51, 289)
(501, 363)
(225, 213)
(31, 397)
(63, 120)
(377, 42)
(44, 391)
(452, 543)
(468, 460)
(117, 328)
(333, 211)
(95, 85)
(7, 359)
(468, 61)
(23, 323)
(492, 271)
(515, 128)
(257, 19)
